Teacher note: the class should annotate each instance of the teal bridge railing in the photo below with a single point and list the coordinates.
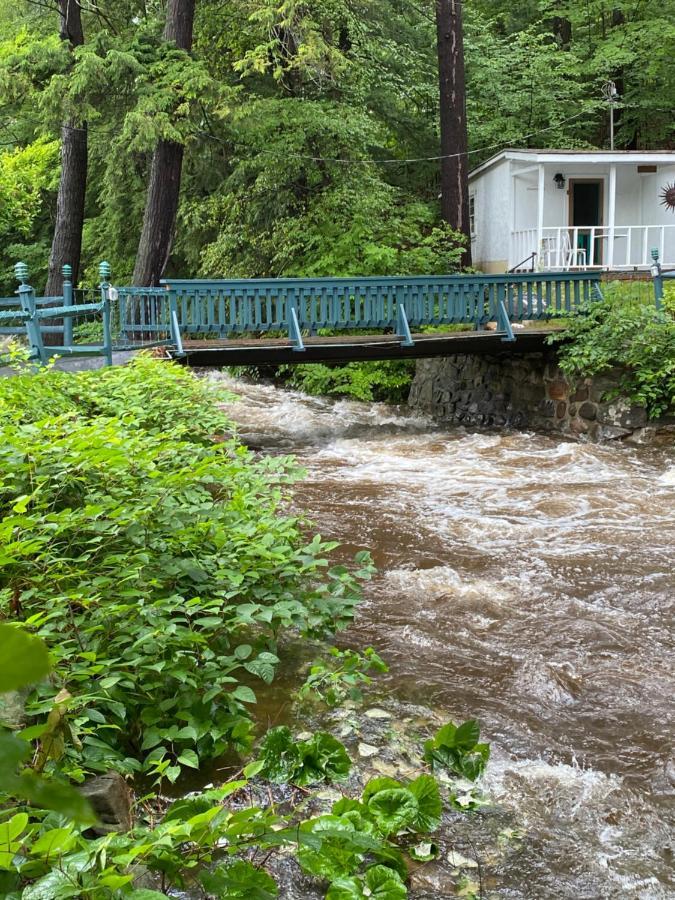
(201, 310)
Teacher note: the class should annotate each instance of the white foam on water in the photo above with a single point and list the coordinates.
(668, 477)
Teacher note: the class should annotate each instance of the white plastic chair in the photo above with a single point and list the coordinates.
(571, 256)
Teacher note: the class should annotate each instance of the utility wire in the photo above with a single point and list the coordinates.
(419, 159)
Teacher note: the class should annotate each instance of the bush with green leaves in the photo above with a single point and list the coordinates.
(457, 749)
(385, 381)
(285, 760)
(341, 675)
(628, 333)
(148, 572)
(154, 561)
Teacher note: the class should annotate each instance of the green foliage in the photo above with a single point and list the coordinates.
(150, 554)
(154, 562)
(276, 96)
(23, 660)
(378, 881)
(629, 333)
(287, 760)
(457, 749)
(386, 381)
(341, 676)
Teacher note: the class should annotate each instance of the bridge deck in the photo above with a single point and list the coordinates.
(358, 348)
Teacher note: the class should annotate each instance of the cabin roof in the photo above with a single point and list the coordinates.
(585, 156)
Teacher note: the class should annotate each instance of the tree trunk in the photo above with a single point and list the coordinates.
(67, 241)
(454, 141)
(161, 205)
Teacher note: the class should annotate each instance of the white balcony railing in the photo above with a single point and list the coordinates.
(623, 247)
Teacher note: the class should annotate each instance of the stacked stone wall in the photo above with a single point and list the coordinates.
(529, 391)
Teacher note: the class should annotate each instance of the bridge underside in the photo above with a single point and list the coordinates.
(357, 348)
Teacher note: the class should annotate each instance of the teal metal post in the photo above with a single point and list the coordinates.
(27, 300)
(294, 333)
(174, 326)
(104, 275)
(67, 273)
(658, 279)
(505, 322)
(403, 328)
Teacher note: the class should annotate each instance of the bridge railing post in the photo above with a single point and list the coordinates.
(67, 273)
(27, 299)
(104, 286)
(657, 275)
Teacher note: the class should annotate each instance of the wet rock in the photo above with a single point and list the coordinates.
(588, 410)
(110, 799)
(578, 426)
(557, 390)
(376, 713)
(13, 709)
(433, 880)
(611, 433)
(368, 750)
(457, 861)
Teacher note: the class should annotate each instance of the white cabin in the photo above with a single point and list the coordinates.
(554, 210)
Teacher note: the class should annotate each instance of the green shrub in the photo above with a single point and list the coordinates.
(154, 561)
(385, 381)
(627, 333)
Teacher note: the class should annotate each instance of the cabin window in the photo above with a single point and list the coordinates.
(472, 215)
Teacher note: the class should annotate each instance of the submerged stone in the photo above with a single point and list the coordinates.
(376, 713)
(368, 750)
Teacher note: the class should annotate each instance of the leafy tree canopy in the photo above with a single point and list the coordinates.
(295, 118)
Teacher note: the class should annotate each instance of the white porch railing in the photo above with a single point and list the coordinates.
(623, 247)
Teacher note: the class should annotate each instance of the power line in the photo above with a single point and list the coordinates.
(419, 159)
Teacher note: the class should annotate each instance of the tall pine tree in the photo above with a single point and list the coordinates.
(454, 140)
(161, 205)
(67, 240)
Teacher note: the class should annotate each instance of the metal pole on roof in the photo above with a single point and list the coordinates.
(609, 92)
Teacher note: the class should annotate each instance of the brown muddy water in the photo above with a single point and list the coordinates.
(526, 581)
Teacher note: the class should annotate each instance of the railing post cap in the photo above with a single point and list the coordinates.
(67, 271)
(104, 270)
(21, 272)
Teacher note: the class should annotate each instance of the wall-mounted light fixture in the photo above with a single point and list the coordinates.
(559, 179)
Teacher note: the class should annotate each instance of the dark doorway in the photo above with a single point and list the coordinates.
(586, 201)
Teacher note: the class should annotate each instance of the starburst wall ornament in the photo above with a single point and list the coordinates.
(668, 197)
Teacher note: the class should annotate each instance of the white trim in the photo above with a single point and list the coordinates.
(633, 157)
(611, 215)
(541, 191)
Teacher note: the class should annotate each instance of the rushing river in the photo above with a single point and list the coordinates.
(526, 581)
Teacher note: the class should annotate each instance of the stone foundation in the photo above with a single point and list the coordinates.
(529, 391)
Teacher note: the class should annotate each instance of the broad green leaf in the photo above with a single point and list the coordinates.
(189, 758)
(385, 884)
(467, 735)
(346, 889)
(425, 789)
(393, 809)
(10, 832)
(244, 694)
(53, 843)
(240, 880)
(23, 658)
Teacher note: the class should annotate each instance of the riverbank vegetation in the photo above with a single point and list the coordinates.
(625, 330)
(151, 577)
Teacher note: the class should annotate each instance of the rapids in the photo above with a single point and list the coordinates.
(526, 581)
